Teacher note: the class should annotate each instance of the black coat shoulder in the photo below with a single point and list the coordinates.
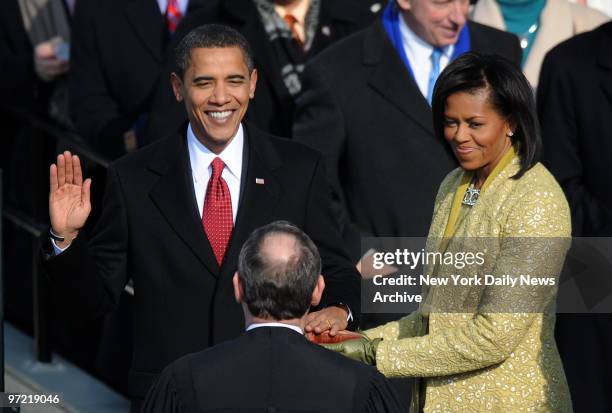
(486, 39)
(580, 49)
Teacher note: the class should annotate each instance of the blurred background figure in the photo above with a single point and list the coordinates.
(34, 58)
(284, 35)
(34, 54)
(601, 5)
(117, 54)
(575, 107)
(34, 61)
(539, 24)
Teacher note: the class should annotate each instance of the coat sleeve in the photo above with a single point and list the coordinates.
(164, 396)
(91, 274)
(342, 280)
(320, 124)
(409, 326)
(535, 241)
(562, 147)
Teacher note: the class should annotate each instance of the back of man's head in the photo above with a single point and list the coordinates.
(279, 267)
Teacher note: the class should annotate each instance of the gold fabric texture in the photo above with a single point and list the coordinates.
(481, 359)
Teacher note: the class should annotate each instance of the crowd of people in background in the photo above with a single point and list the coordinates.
(353, 79)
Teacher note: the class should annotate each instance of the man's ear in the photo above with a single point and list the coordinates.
(238, 292)
(252, 83)
(317, 292)
(177, 86)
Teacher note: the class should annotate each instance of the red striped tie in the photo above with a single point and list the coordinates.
(217, 216)
(173, 15)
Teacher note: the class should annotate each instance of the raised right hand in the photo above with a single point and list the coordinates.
(69, 197)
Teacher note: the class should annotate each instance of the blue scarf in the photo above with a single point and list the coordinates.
(391, 23)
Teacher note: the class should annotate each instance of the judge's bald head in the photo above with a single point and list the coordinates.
(278, 267)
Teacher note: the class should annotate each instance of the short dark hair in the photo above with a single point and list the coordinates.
(277, 288)
(211, 36)
(509, 93)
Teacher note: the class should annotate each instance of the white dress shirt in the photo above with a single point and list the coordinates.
(201, 170)
(163, 5)
(419, 55)
(292, 327)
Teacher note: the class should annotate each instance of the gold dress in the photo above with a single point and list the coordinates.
(482, 359)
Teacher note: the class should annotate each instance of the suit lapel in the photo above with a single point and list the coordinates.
(147, 22)
(258, 202)
(245, 12)
(392, 80)
(174, 197)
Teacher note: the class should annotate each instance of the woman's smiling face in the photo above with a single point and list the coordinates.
(477, 133)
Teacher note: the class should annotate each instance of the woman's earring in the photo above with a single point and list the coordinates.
(510, 134)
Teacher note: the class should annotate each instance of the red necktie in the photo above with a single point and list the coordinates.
(217, 216)
(173, 15)
(291, 22)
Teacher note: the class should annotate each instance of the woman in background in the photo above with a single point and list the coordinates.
(539, 24)
(485, 348)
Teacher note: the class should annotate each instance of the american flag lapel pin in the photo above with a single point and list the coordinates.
(260, 181)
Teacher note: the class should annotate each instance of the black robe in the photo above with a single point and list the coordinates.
(270, 369)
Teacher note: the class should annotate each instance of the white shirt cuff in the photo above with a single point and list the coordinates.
(57, 250)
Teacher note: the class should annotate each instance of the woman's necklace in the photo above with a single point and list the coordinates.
(471, 194)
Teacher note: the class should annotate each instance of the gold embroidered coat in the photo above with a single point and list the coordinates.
(482, 359)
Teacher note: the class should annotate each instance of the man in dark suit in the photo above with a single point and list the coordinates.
(272, 367)
(575, 105)
(117, 54)
(176, 213)
(365, 106)
(279, 53)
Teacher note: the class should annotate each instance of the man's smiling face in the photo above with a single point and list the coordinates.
(216, 88)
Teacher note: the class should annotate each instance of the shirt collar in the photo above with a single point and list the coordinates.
(417, 46)
(201, 157)
(299, 11)
(163, 5)
(258, 325)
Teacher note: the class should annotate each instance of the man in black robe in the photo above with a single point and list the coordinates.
(272, 367)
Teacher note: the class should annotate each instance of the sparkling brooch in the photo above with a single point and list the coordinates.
(471, 196)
